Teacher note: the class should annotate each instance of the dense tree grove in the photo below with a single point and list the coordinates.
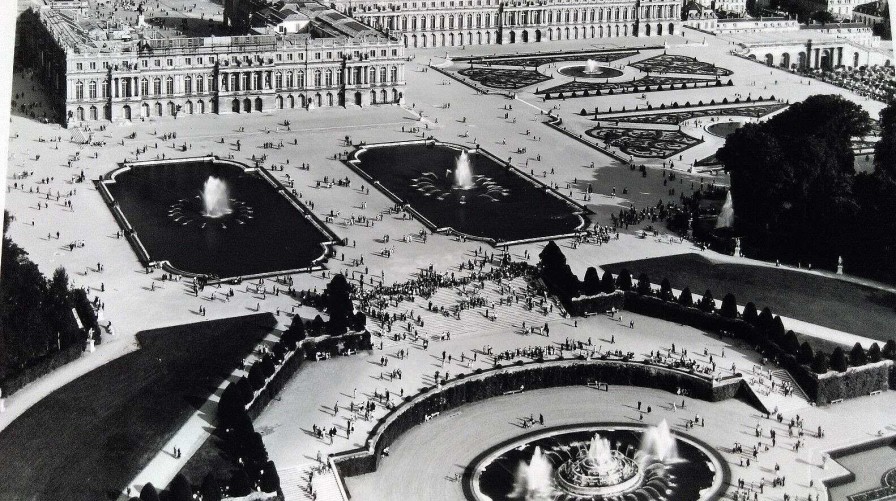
(792, 179)
(875, 233)
(35, 313)
(796, 193)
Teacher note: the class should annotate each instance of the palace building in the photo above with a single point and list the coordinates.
(294, 56)
(449, 23)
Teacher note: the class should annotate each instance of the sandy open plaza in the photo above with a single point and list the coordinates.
(443, 267)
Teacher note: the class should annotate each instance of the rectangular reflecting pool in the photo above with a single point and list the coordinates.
(212, 217)
(469, 192)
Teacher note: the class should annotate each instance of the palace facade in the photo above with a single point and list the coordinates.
(449, 23)
(95, 76)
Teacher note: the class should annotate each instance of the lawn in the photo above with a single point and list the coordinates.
(833, 303)
(88, 439)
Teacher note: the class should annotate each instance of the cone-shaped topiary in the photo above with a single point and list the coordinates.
(838, 360)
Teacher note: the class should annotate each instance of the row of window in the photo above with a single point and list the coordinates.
(240, 81)
(279, 56)
(237, 106)
(452, 3)
(523, 18)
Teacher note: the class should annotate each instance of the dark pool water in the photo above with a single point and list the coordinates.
(264, 234)
(502, 206)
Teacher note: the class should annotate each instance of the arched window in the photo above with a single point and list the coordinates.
(91, 90)
(79, 113)
(373, 75)
(328, 78)
(317, 78)
(300, 79)
(169, 85)
(200, 85)
(93, 113)
(188, 84)
(157, 89)
(79, 93)
(290, 80)
(278, 81)
(393, 74)
(159, 107)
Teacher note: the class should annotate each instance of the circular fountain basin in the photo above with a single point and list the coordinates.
(723, 129)
(581, 71)
(693, 473)
(584, 477)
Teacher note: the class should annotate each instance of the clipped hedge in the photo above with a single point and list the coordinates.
(41, 367)
(276, 383)
(598, 303)
(652, 306)
(855, 382)
(821, 389)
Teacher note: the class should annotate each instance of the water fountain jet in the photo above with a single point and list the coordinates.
(463, 172)
(215, 198)
(659, 443)
(534, 480)
(726, 216)
(591, 67)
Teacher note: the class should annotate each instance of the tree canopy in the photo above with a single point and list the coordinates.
(792, 179)
(35, 313)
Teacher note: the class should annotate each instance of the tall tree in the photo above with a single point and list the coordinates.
(876, 243)
(792, 179)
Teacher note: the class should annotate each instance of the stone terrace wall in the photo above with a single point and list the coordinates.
(523, 377)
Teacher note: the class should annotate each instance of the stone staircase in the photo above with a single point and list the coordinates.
(773, 397)
(294, 483)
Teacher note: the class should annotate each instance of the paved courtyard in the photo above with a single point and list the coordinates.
(436, 105)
